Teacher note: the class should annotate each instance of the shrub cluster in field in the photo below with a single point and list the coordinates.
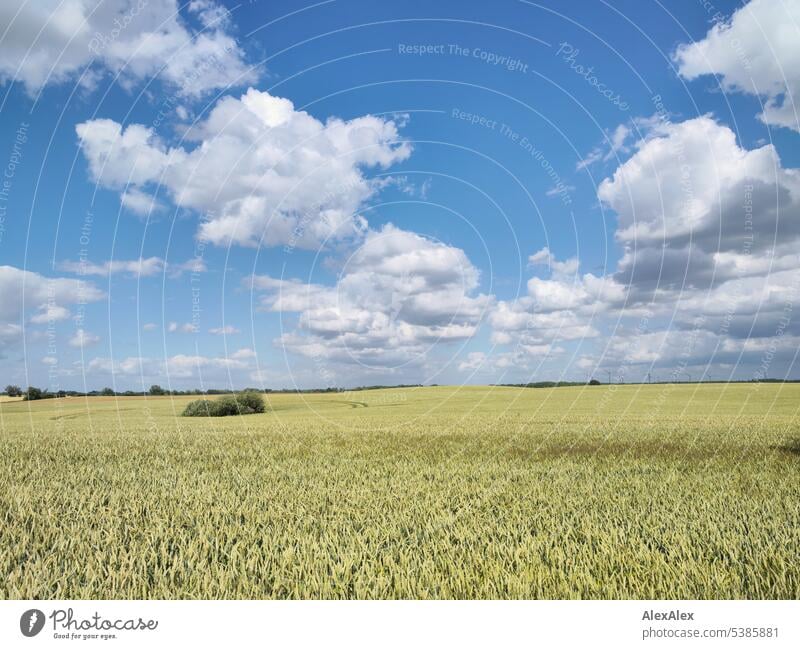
(244, 403)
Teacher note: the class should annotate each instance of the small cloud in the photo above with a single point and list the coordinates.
(559, 189)
(83, 339)
(50, 313)
(500, 338)
(140, 203)
(224, 331)
(142, 267)
(186, 327)
(150, 326)
(193, 265)
(612, 146)
(595, 155)
(474, 361)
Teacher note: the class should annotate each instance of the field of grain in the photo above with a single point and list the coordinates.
(661, 491)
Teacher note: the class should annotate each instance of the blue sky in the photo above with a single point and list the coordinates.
(342, 193)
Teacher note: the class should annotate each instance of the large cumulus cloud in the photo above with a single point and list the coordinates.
(398, 295)
(755, 52)
(261, 172)
(55, 41)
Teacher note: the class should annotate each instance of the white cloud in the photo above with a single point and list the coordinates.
(178, 367)
(475, 361)
(210, 13)
(695, 208)
(23, 293)
(150, 326)
(140, 202)
(134, 268)
(83, 338)
(561, 307)
(614, 145)
(187, 366)
(224, 331)
(398, 295)
(186, 328)
(289, 178)
(193, 265)
(558, 190)
(675, 184)
(143, 267)
(50, 313)
(710, 232)
(54, 41)
(123, 158)
(755, 52)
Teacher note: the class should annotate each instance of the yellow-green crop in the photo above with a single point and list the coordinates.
(659, 491)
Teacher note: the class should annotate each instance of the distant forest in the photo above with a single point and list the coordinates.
(34, 394)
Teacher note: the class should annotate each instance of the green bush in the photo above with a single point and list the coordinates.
(244, 403)
(199, 408)
(226, 407)
(251, 400)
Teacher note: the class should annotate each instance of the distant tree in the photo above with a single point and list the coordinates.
(107, 392)
(13, 391)
(157, 391)
(34, 394)
(594, 382)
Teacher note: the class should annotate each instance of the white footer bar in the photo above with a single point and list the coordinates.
(399, 624)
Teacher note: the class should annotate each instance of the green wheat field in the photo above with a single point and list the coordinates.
(660, 491)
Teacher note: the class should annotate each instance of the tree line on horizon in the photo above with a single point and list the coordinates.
(33, 393)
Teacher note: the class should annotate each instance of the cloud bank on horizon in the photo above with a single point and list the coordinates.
(305, 256)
